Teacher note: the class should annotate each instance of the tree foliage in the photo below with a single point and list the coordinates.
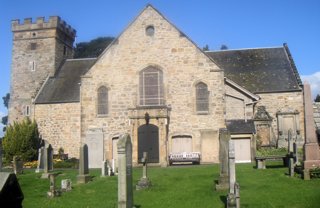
(317, 98)
(224, 47)
(93, 48)
(6, 100)
(206, 48)
(22, 139)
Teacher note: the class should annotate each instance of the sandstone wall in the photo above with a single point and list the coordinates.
(59, 124)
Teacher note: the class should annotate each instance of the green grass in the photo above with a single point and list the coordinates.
(178, 187)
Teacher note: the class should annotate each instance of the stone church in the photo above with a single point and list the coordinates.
(156, 84)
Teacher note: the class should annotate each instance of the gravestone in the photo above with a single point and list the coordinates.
(233, 186)
(311, 147)
(144, 181)
(224, 137)
(106, 169)
(83, 176)
(237, 194)
(17, 165)
(94, 140)
(10, 192)
(47, 161)
(125, 192)
(40, 165)
(66, 185)
(53, 191)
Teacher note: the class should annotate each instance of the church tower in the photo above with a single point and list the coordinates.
(39, 48)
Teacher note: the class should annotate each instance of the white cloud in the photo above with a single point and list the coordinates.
(314, 81)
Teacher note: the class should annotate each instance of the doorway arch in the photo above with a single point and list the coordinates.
(148, 141)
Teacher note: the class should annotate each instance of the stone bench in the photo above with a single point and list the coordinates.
(261, 160)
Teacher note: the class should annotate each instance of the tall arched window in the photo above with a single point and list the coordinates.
(202, 98)
(151, 87)
(102, 101)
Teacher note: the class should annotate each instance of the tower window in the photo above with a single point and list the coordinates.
(32, 66)
(150, 30)
(33, 46)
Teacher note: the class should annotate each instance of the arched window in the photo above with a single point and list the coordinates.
(202, 98)
(151, 87)
(102, 100)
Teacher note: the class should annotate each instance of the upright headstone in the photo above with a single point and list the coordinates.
(231, 198)
(10, 192)
(53, 191)
(237, 194)
(106, 169)
(223, 182)
(83, 176)
(290, 142)
(40, 165)
(66, 185)
(125, 193)
(311, 147)
(47, 160)
(144, 181)
(17, 165)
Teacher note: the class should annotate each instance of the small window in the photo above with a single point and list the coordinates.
(202, 98)
(33, 46)
(150, 30)
(27, 110)
(32, 66)
(102, 100)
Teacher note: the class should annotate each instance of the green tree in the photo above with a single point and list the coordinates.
(92, 48)
(317, 98)
(206, 48)
(22, 139)
(4, 119)
(224, 47)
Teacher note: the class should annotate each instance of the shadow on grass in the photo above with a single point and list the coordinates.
(223, 198)
(274, 166)
(137, 206)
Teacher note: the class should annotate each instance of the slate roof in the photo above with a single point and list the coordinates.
(240, 126)
(259, 70)
(64, 87)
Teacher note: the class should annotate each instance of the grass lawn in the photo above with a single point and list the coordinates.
(177, 187)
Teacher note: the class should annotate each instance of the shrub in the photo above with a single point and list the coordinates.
(22, 139)
(69, 163)
(271, 151)
(315, 173)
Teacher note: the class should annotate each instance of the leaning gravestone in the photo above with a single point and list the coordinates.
(47, 161)
(10, 191)
(83, 176)
(125, 193)
(144, 181)
(17, 165)
(224, 137)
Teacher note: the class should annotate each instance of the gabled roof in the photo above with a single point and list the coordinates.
(241, 89)
(240, 126)
(260, 70)
(64, 87)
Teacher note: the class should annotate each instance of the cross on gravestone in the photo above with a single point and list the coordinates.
(83, 176)
(17, 165)
(144, 181)
(47, 161)
(53, 191)
(125, 192)
(224, 137)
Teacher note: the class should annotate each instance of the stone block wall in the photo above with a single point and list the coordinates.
(59, 124)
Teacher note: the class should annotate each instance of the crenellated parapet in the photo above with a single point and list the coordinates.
(54, 22)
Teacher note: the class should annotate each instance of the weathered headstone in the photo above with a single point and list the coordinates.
(83, 176)
(144, 181)
(237, 194)
(224, 137)
(125, 193)
(290, 141)
(311, 147)
(106, 169)
(66, 185)
(17, 165)
(94, 140)
(233, 186)
(291, 167)
(53, 191)
(40, 165)
(10, 192)
(47, 160)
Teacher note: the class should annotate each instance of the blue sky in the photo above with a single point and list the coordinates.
(235, 23)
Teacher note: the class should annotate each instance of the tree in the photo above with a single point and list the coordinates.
(22, 139)
(224, 47)
(93, 48)
(317, 98)
(4, 119)
(206, 48)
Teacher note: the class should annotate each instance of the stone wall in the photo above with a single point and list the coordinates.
(284, 102)
(183, 66)
(59, 124)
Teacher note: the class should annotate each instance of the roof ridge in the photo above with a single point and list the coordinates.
(80, 59)
(243, 49)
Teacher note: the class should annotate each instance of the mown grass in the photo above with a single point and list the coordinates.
(178, 187)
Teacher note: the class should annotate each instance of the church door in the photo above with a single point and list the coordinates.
(148, 141)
